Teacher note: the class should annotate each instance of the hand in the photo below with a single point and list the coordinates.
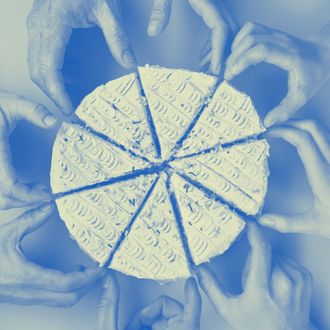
(14, 109)
(23, 282)
(306, 61)
(278, 300)
(49, 25)
(313, 146)
(217, 20)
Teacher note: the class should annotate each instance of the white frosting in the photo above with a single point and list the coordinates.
(97, 217)
(237, 174)
(210, 226)
(80, 159)
(229, 116)
(116, 110)
(174, 98)
(132, 224)
(153, 249)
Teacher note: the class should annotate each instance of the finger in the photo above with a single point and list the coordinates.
(108, 304)
(55, 280)
(31, 220)
(215, 21)
(303, 223)
(163, 307)
(51, 58)
(205, 60)
(248, 28)
(193, 307)
(32, 296)
(313, 161)
(317, 131)
(19, 109)
(24, 194)
(212, 288)
(302, 283)
(160, 16)
(205, 49)
(293, 101)
(258, 273)
(248, 42)
(281, 286)
(270, 53)
(116, 37)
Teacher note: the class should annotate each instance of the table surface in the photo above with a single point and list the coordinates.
(88, 64)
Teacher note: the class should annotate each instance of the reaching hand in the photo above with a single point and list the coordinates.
(217, 20)
(306, 61)
(14, 109)
(49, 25)
(23, 282)
(313, 146)
(278, 299)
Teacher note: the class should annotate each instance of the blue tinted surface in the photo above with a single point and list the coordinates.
(89, 64)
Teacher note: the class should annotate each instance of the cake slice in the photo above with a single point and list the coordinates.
(116, 111)
(97, 218)
(81, 159)
(174, 98)
(210, 226)
(238, 174)
(229, 116)
(153, 248)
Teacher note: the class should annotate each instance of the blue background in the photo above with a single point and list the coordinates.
(88, 64)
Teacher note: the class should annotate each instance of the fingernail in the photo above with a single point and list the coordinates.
(50, 120)
(269, 121)
(153, 28)
(228, 74)
(128, 57)
(216, 70)
(269, 222)
(46, 207)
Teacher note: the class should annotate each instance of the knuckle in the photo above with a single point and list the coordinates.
(118, 34)
(160, 9)
(250, 26)
(311, 125)
(262, 49)
(103, 303)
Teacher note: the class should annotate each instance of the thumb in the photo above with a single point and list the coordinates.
(160, 16)
(107, 314)
(34, 113)
(289, 105)
(299, 223)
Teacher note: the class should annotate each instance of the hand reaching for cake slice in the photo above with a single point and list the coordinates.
(307, 62)
(216, 18)
(277, 298)
(26, 283)
(313, 145)
(14, 109)
(164, 313)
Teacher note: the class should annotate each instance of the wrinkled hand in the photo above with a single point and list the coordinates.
(313, 146)
(164, 313)
(23, 282)
(216, 19)
(278, 299)
(168, 314)
(50, 23)
(306, 61)
(14, 109)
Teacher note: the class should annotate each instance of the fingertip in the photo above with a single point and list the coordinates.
(267, 221)
(154, 29)
(129, 59)
(50, 121)
(46, 208)
(190, 288)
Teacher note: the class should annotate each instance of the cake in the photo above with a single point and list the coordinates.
(160, 171)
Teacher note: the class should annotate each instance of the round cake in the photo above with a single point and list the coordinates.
(160, 171)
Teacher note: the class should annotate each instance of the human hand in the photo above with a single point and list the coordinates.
(306, 61)
(278, 299)
(49, 26)
(313, 145)
(26, 283)
(168, 314)
(14, 109)
(216, 18)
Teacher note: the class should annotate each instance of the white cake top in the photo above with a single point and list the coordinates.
(161, 173)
